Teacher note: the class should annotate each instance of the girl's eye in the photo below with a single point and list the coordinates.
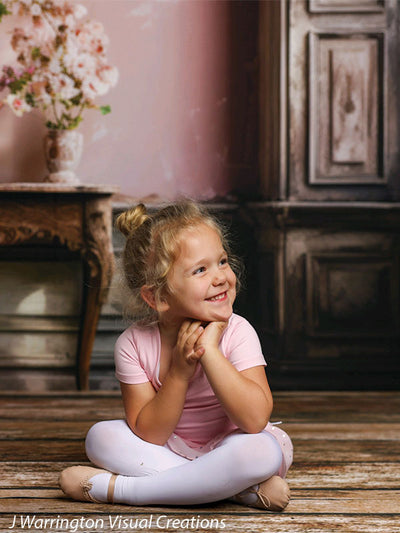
(224, 261)
(199, 270)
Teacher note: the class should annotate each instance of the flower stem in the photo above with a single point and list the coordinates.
(57, 120)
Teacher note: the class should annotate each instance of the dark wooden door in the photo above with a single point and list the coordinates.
(327, 231)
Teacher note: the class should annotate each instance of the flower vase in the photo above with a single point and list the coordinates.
(63, 151)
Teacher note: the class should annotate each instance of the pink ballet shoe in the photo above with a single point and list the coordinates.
(273, 494)
(75, 483)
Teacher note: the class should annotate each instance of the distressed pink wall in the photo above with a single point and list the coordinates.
(173, 111)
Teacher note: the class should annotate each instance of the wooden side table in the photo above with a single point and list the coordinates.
(78, 218)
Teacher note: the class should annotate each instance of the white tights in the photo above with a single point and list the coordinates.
(152, 474)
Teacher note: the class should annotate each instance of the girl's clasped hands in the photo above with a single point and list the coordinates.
(194, 340)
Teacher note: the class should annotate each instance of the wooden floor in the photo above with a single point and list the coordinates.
(345, 476)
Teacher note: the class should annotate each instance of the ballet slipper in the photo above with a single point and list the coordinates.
(273, 494)
(75, 483)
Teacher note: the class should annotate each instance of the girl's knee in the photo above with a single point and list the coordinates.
(100, 439)
(258, 454)
(272, 456)
(96, 433)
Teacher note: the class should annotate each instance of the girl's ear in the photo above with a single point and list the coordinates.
(147, 293)
(149, 296)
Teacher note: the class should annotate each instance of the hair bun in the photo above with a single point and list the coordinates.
(129, 221)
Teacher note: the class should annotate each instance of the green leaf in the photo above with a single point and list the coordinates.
(76, 100)
(69, 123)
(51, 125)
(75, 122)
(105, 109)
(17, 85)
(30, 99)
(66, 104)
(35, 52)
(3, 10)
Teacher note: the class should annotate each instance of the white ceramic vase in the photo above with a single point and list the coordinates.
(63, 151)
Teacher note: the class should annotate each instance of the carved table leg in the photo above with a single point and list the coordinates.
(93, 298)
(99, 266)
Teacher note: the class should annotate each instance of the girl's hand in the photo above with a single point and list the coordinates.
(186, 354)
(211, 336)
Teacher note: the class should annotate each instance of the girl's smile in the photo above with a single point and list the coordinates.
(220, 297)
(201, 283)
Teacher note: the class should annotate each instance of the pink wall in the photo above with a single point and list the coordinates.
(174, 109)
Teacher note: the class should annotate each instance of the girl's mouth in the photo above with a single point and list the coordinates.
(218, 297)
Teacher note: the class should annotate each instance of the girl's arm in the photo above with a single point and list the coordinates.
(152, 415)
(245, 396)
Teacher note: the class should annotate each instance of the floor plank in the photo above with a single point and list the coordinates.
(305, 450)
(334, 475)
(12, 429)
(304, 501)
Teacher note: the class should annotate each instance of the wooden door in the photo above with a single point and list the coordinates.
(328, 227)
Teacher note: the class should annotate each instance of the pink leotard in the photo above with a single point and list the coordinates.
(203, 423)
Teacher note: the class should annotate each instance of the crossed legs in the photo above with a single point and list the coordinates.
(151, 474)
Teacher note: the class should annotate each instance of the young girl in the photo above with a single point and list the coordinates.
(196, 398)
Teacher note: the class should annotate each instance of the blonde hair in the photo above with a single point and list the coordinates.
(152, 245)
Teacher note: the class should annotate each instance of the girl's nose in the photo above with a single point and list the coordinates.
(219, 277)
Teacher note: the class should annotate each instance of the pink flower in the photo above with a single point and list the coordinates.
(108, 75)
(80, 11)
(83, 66)
(17, 105)
(36, 10)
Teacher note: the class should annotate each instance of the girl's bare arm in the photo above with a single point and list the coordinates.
(245, 396)
(152, 415)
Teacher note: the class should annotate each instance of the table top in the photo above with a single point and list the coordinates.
(57, 188)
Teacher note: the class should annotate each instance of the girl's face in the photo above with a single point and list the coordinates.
(201, 283)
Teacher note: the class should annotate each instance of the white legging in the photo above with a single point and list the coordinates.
(153, 474)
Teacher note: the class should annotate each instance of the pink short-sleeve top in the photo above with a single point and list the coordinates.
(203, 422)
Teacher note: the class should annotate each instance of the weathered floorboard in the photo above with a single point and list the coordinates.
(307, 501)
(30, 429)
(306, 450)
(329, 476)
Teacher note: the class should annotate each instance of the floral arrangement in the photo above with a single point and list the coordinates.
(62, 64)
